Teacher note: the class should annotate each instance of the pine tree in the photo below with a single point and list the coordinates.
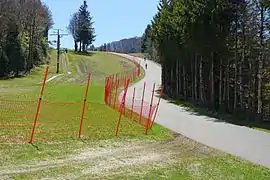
(213, 52)
(85, 27)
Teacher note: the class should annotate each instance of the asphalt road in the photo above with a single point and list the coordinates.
(249, 144)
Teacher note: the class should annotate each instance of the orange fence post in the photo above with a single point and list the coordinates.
(132, 103)
(110, 91)
(84, 103)
(115, 81)
(119, 120)
(117, 86)
(112, 81)
(161, 92)
(121, 107)
(121, 79)
(142, 102)
(149, 114)
(130, 77)
(134, 74)
(39, 104)
(126, 82)
(105, 90)
(139, 69)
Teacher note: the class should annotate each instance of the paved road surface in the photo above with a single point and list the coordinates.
(250, 144)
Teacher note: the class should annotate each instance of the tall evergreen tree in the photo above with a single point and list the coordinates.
(86, 30)
(213, 52)
(81, 28)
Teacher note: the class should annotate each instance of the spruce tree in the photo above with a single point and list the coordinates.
(85, 27)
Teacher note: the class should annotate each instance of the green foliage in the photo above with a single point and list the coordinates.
(15, 52)
(127, 45)
(23, 36)
(212, 52)
(81, 28)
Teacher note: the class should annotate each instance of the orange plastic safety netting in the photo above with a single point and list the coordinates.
(141, 111)
(15, 119)
(56, 120)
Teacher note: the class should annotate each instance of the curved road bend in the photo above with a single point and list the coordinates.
(244, 142)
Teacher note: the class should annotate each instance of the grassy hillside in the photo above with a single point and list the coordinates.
(61, 108)
(57, 153)
(140, 55)
(73, 71)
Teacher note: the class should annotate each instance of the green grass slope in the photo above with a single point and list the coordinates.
(140, 55)
(60, 111)
(57, 153)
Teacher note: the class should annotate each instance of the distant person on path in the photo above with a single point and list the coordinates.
(146, 66)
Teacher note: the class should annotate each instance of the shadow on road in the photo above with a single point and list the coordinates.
(195, 109)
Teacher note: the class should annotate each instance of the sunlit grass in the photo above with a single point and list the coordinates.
(61, 110)
(59, 119)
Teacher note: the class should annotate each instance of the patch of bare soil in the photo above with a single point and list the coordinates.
(82, 68)
(14, 90)
(64, 61)
(125, 64)
(104, 161)
(12, 139)
(3, 89)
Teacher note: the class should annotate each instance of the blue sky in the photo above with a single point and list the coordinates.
(114, 19)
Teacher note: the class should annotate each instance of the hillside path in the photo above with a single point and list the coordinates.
(250, 144)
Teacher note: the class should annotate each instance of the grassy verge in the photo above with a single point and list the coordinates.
(179, 158)
(195, 161)
(99, 64)
(140, 55)
(57, 153)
